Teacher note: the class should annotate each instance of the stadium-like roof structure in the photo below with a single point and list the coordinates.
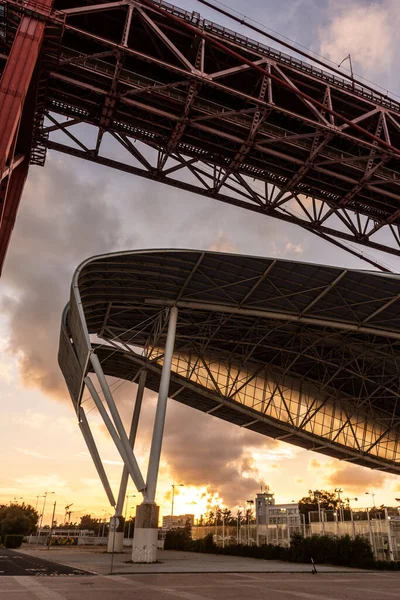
(300, 352)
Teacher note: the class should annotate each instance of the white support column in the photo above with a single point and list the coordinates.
(117, 544)
(144, 547)
(135, 474)
(158, 431)
(126, 455)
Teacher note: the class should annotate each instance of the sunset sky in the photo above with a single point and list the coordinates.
(71, 210)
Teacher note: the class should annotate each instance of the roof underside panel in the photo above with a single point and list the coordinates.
(296, 351)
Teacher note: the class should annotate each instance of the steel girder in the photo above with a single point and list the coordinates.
(202, 108)
(24, 34)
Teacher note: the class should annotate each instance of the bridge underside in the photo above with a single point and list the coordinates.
(156, 91)
(304, 353)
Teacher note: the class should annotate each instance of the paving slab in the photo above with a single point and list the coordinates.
(202, 586)
(96, 560)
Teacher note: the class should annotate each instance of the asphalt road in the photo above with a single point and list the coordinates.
(14, 563)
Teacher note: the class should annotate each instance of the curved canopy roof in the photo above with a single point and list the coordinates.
(296, 351)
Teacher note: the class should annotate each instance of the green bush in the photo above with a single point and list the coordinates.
(178, 539)
(340, 551)
(13, 541)
(386, 565)
(322, 549)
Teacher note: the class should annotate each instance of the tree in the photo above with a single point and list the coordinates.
(88, 522)
(317, 500)
(227, 516)
(19, 519)
(210, 518)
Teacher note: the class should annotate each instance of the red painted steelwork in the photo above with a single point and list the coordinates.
(14, 86)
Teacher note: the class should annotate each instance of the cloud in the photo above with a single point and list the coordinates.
(202, 450)
(368, 31)
(296, 248)
(52, 482)
(64, 219)
(355, 479)
(6, 372)
(223, 244)
(41, 421)
(314, 464)
(32, 453)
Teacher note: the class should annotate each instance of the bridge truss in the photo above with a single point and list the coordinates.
(175, 98)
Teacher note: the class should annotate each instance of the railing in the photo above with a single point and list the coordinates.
(281, 57)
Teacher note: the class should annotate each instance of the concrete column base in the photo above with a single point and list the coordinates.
(115, 541)
(144, 547)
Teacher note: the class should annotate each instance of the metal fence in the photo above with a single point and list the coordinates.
(383, 532)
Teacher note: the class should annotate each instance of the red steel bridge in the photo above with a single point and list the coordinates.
(200, 107)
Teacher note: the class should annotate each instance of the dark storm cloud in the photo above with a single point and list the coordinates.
(199, 449)
(64, 218)
(69, 213)
(204, 450)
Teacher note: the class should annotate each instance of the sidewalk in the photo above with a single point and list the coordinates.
(96, 560)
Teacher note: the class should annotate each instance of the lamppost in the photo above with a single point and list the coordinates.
(126, 508)
(251, 503)
(238, 523)
(339, 491)
(130, 520)
(174, 485)
(37, 501)
(373, 497)
(44, 506)
(106, 514)
(41, 516)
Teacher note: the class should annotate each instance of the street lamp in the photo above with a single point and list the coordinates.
(130, 521)
(37, 501)
(44, 506)
(126, 504)
(126, 508)
(174, 485)
(251, 503)
(373, 497)
(339, 491)
(238, 523)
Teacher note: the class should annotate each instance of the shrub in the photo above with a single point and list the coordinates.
(13, 541)
(323, 549)
(178, 539)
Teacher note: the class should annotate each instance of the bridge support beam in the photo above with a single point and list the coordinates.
(16, 83)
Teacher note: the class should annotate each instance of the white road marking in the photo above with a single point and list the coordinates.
(160, 588)
(37, 589)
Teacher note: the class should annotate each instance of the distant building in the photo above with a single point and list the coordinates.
(270, 513)
(176, 521)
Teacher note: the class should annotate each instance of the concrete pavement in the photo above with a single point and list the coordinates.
(232, 586)
(98, 561)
